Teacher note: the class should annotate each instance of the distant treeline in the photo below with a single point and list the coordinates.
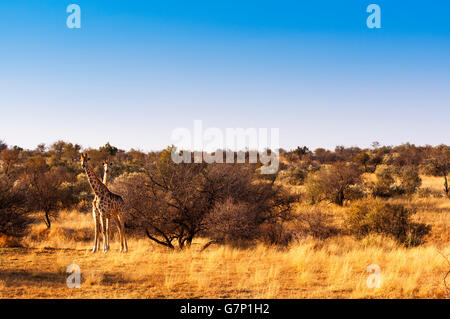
(172, 203)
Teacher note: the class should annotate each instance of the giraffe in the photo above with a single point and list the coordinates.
(109, 205)
(96, 214)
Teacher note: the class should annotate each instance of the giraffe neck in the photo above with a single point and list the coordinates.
(97, 186)
(105, 177)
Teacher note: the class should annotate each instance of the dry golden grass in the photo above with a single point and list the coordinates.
(436, 184)
(336, 268)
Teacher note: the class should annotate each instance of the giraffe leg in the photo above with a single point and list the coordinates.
(99, 226)
(117, 222)
(107, 232)
(104, 232)
(116, 219)
(96, 224)
(122, 228)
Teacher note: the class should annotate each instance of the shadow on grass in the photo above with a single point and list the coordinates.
(20, 278)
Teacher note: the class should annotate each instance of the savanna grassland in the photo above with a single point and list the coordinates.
(311, 268)
(311, 230)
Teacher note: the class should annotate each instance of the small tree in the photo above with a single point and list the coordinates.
(45, 189)
(439, 164)
(109, 149)
(300, 151)
(333, 182)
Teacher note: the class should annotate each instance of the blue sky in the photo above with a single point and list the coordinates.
(137, 70)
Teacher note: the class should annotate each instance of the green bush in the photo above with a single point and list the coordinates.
(366, 217)
(410, 180)
(314, 191)
(332, 183)
(296, 175)
(384, 186)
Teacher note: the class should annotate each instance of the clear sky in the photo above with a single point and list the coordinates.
(137, 70)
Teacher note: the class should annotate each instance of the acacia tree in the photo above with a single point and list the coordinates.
(171, 202)
(108, 149)
(333, 182)
(45, 191)
(439, 164)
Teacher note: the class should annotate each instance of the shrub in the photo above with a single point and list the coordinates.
(384, 186)
(355, 192)
(277, 234)
(314, 189)
(363, 158)
(232, 222)
(315, 223)
(366, 217)
(81, 193)
(14, 221)
(296, 175)
(410, 180)
(333, 182)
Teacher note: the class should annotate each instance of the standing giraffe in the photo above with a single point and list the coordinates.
(108, 205)
(96, 213)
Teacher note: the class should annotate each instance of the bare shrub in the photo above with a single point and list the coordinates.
(316, 223)
(47, 188)
(232, 222)
(277, 234)
(172, 202)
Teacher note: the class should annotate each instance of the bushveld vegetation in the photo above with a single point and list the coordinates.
(306, 231)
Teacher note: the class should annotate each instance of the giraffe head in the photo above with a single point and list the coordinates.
(106, 165)
(84, 159)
